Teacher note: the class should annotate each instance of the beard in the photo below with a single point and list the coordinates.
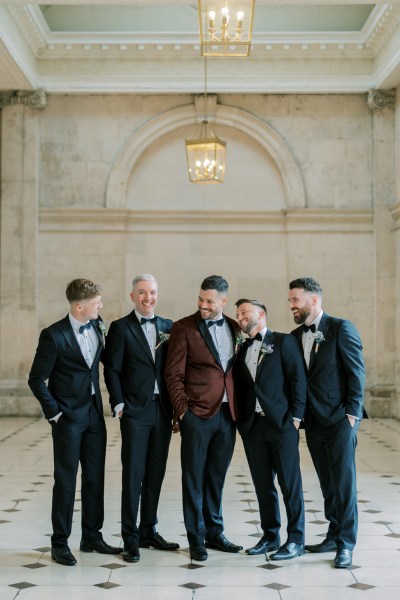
(250, 325)
(302, 315)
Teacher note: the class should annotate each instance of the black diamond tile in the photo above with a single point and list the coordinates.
(38, 483)
(242, 483)
(361, 586)
(21, 500)
(250, 510)
(3, 521)
(372, 512)
(318, 522)
(393, 535)
(253, 522)
(192, 586)
(44, 549)
(113, 566)
(394, 483)
(246, 492)
(45, 475)
(363, 501)
(34, 566)
(12, 510)
(256, 535)
(312, 510)
(249, 500)
(308, 501)
(107, 585)
(277, 586)
(383, 522)
(354, 567)
(269, 567)
(388, 476)
(22, 585)
(239, 475)
(191, 566)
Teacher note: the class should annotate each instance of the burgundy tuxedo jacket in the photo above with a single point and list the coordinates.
(193, 372)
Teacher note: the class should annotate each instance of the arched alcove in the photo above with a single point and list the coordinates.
(184, 116)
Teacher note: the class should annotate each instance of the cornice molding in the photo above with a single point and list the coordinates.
(36, 100)
(395, 213)
(380, 99)
(78, 220)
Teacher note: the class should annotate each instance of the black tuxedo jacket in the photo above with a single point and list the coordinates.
(336, 373)
(280, 384)
(59, 360)
(129, 369)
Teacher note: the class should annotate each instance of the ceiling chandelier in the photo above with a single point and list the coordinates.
(226, 27)
(206, 154)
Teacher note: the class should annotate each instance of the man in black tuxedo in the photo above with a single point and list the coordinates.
(133, 370)
(333, 354)
(68, 357)
(271, 389)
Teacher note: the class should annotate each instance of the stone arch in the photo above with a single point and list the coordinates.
(230, 116)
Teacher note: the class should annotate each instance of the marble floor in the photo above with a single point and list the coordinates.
(28, 573)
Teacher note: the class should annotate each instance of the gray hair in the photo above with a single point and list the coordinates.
(143, 277)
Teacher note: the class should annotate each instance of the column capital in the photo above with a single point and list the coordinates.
(379, 99)
(36, 99)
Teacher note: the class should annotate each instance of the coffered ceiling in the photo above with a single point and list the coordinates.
(152, 46)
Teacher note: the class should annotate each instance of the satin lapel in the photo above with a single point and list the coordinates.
(233, 334)
(207, 338)
(100, 336)
(262, 358)
(70, 337)
(323, 327)
(242, 364)
(158, 341)
(137, 331)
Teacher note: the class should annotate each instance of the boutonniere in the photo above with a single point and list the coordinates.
(238, 342)
(318, 338)
(265, 349)
(103, 331)
(164, 337)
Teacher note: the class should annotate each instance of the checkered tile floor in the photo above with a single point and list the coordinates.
(28, 573)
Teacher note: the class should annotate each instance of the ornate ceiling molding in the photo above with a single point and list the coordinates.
(36, 100)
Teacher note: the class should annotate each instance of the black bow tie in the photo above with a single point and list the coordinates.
(250, 340)
(309, 327)
(86, 326)
(143, 321)
(219, 323)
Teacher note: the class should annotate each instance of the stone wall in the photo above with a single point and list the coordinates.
(97, 187)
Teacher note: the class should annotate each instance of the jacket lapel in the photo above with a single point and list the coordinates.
(137, 331)
(70, 337)
(201, 324)
(263, 357)
(323, 327)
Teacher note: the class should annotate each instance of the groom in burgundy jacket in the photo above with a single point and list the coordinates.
(198, 374)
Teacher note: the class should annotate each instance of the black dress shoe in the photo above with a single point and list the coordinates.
(198, 552)
(328, 545)
(343, 558)
(99, 546)
(287, 551)
(131, 554)
(155, 540)
(264, 545)
(221, 543)
(63, 556)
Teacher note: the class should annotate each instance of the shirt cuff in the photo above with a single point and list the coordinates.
(118, 409)
(55, 419)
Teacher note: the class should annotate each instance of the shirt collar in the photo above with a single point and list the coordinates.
(75, 324)
(139, 316)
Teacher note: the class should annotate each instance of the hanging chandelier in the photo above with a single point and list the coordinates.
(206, 154)
(226, 27)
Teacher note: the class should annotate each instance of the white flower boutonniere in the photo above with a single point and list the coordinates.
(238, 342)
(318, 338)
(265, 350)
(103, 331)
(164, 337)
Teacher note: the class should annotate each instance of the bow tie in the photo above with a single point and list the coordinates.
(219, 323)
(309, 327)
(143, 321)
(86, 326)
(249, 341)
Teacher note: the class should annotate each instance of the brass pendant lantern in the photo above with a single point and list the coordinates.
(226, 27)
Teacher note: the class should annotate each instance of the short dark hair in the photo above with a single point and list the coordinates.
(253, 302)
(82, 289)
(308, 284)
(215, 282)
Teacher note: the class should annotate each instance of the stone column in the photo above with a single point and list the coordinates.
(383, 319)
(396, 226)
(18, 247)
